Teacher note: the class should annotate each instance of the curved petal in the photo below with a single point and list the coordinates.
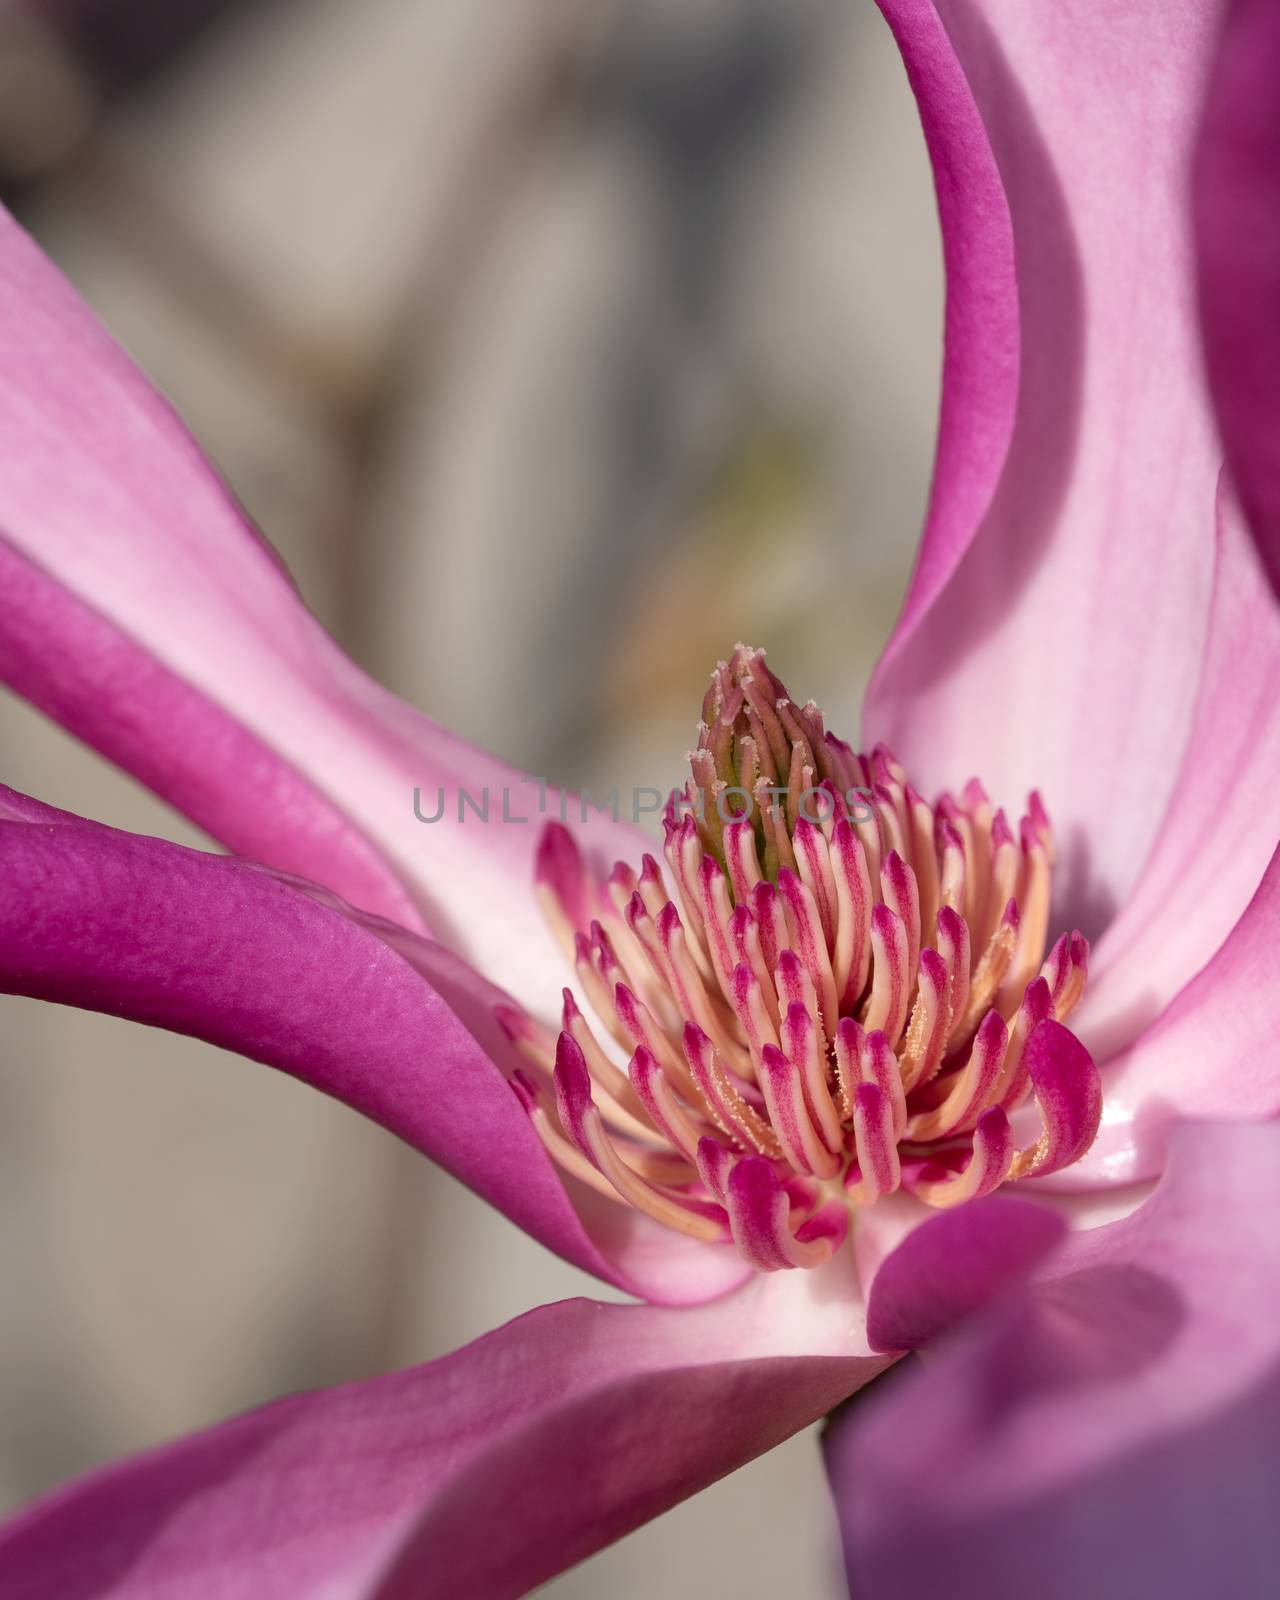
(1108, 480)
(1212, 1053)
(1237, 230)
(77, 667)
(952, 1265)
(980, 348)
(140, 608)
(480, 1474)
(216, 948)
(1220, 829)
(1111, 1432)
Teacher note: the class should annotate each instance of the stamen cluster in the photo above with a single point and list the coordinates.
(836, 991)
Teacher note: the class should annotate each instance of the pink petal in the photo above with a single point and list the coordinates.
(391, 1024)
(1090, 567)
(1211, 1053)
(1112, 1431)
(954, 1264)
(1220, 829)
(140, 608)
(78, 667)
(1237, 231)
(981, 338)
(481, 1474)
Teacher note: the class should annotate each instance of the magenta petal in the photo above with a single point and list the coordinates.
(140, 608)
(391, 1024)
(481, 1474)
(1109, 475)
(953, 1265)
(78, 668)
(1237, 229)
(980, 372)
(1112, 1431)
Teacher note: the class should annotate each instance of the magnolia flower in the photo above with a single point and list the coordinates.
(835, 1026)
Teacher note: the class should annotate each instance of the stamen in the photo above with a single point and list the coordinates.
(890, 991)
(744, 936)
(852, 954)
(835, 992)
(1015, 1080)
(558, 1147)
(989, 972)
(1069, 1095)
(583, 1124)
(800, 1044)
(759, 1216)
(662, 1105)
(878, 1169)
(972, 1086)
(924, 855)
(753, 1017)
(804, 928)
(602, 1070)
(930, 1019)
(784, 1097)
(740, 856)
(953, 947)
(772, 922)
(877, 1064)
(727, 1106)
(814, 862)
(986, 1169)
(902, 896)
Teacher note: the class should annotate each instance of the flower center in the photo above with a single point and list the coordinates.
(834, 992)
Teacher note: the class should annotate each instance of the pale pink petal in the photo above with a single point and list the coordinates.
(1237, 230)
(139, 607)
(1109, 1433)
(1212, 1053)
(389, 1023)
(1222, 823)
(1065, 651)
(481, 1474)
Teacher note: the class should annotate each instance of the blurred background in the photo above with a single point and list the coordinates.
(556, 346)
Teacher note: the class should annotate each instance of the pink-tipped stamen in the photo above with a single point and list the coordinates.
(833, 994)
